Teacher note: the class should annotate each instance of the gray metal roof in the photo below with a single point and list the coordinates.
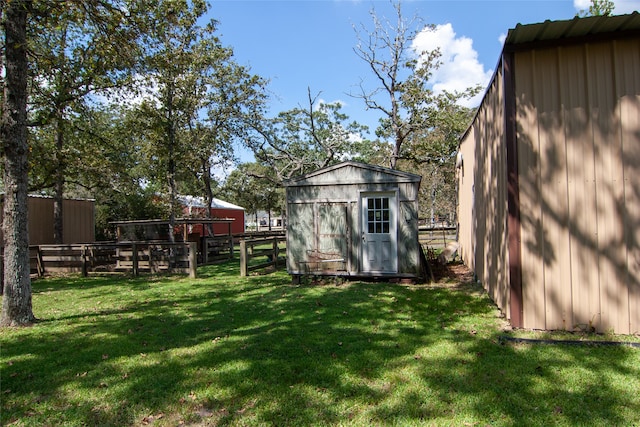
(359, 172)
(575, 28)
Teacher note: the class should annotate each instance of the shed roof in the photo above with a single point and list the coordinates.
(200, 202)
(574, 30)
(351, 172)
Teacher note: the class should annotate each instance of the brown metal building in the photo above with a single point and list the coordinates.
(549, 177)
(78, 220)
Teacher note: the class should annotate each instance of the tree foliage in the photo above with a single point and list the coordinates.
(307, 138)
(422, 126)
(598, 8)
(403, 93)
(431, 152)
(84, 52)
(196, 102)
(247, 187)
(81, 50)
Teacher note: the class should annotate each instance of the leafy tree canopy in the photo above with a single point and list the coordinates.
(308, 138)
(598, 8)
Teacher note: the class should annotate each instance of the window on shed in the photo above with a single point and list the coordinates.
(378, 215)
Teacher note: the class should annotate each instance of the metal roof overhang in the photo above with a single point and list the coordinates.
(576, 30)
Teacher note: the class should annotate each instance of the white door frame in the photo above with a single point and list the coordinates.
(379, 231)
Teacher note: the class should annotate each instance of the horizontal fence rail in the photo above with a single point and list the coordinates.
(252, 249)
(134, 257)
(437, 237)
(216, 249)
(157, 257)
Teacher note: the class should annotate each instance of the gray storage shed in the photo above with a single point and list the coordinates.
(354, 219)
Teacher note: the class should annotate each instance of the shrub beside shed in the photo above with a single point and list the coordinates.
(354, 219)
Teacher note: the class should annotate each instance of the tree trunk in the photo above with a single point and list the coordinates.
(206, 174)
(58, 231)
(16, 304)
(171, 162)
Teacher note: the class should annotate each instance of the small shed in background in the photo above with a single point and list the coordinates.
(354, 219)
(79, 225)
(196, 207)
(549, 178)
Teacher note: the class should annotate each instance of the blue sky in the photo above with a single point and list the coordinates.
(300, 44)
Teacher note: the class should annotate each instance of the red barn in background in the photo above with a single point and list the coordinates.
(196, 207)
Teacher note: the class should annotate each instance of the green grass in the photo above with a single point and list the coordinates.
(221, 350)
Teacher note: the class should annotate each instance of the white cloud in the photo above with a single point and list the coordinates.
(460, 68)
(581, 4)
(626, 6)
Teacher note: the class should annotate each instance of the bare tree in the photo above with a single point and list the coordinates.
(304, 139)
(401, 90)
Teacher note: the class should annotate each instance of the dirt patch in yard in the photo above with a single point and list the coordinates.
(454, 273)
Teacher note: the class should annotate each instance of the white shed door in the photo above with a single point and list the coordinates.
(379, 236)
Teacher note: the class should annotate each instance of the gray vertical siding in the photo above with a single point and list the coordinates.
(324, 216)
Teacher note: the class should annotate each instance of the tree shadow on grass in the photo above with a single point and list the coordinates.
(259, 350)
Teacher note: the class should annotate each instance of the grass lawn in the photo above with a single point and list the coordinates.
(225, 350)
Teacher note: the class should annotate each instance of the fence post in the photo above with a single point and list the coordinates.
(275, 252)
(193, 259)
(205, 250)
(153, 265)
(39, 262)
(85, 269)
(243, 258)
(231, 248)
(134, 258)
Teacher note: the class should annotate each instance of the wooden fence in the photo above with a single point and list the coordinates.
(216, 249)
(437, 237)
(143, 256)
(252, 249)
(157, 257)
(134, 257)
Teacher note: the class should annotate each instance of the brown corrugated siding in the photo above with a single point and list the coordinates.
(579, 185)
(628, 95)
(40, 220)
(530, 198)
(581, 189)
(466, 205)
(513, 195)
(78, 222)
(578, 151)
(483, 197)
(545, 235)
